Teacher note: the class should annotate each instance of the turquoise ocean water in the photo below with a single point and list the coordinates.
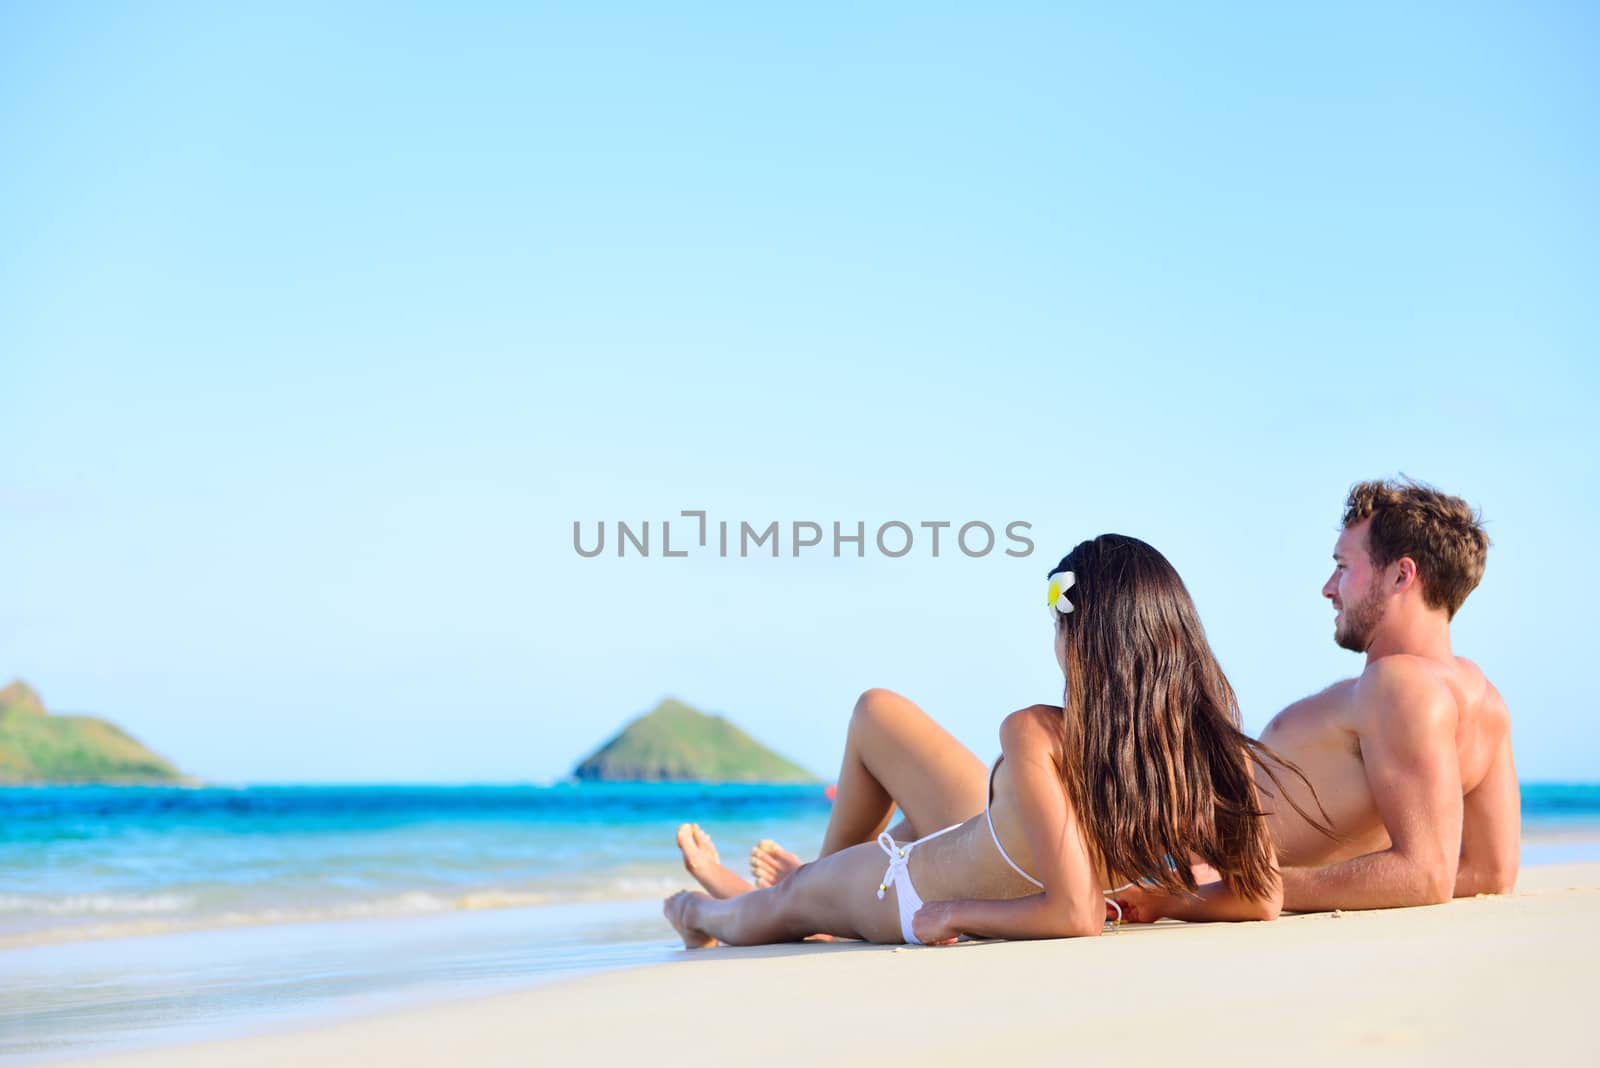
(141, 915)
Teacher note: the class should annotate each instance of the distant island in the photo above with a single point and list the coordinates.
(37, 748)
(677, 743)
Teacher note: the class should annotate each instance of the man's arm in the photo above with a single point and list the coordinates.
(1491, 830)
(1408, 743)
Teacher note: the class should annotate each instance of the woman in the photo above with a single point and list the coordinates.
(1145, 763)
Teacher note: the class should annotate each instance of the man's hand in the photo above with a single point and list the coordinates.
(934, 924)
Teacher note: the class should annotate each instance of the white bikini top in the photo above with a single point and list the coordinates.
(988, 815)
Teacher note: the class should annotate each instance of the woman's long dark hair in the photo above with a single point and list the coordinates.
(1155, 762)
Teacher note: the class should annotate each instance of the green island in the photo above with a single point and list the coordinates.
(677, 743)
(38, 748)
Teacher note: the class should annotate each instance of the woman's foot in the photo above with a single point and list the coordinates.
(770, 863)
(679, 910)
(701, 861)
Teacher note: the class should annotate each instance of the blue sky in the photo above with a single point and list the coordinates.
(318, 330)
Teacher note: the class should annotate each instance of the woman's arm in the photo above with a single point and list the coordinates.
(942, 922)
(1215, 902)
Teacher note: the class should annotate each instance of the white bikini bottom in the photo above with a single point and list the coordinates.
(899, 877)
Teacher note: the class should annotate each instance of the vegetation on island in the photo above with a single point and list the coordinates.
(677, 743)
(37, 747)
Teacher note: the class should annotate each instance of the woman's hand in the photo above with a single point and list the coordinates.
(934, 924)
(1143, 905)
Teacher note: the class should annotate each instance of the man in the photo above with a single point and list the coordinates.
(1411, 761)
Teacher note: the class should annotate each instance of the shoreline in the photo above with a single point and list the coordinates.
(1542, 846)
(1551, 843)
(1491, 975)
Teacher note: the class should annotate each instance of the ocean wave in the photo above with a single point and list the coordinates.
(186, 913)
(94, 904)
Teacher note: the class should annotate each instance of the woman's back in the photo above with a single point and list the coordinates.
(967, 863)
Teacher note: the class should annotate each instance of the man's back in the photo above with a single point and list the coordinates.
(1330, 736)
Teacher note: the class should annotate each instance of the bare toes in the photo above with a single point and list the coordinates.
(699, 851)
(703, 842)
(770, 863)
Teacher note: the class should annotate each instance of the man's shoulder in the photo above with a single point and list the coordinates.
(1480, 694)
(1331, 694)
(1403, 669)
(1328, 706)
(1474, 681)
(1404, 687)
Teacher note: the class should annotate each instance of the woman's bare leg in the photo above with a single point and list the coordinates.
(895, 754)
(701, 861)
(832, 895)
(770, 863)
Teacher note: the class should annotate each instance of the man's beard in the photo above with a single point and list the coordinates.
(1360, 621)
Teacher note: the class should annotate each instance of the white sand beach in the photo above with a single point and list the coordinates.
(1472, 982)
